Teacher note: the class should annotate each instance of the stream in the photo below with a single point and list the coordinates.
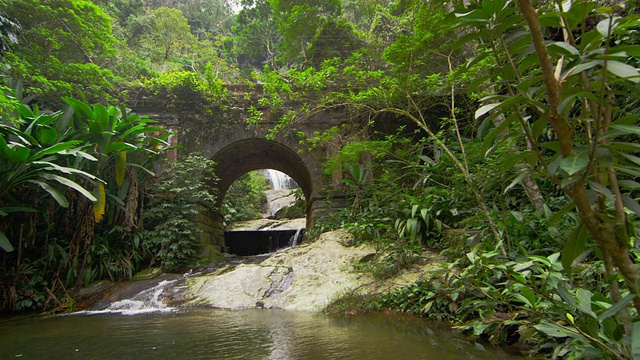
(240, 334)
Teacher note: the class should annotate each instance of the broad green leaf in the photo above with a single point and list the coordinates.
(485, 109)
(634, 159)
(101, 116)
(138, 166)
(494, 6)
(584, 302)
(120, 146)
(55, 149)
(626, 129)
(623, 70)
(606, 25)
(630, 50)
(575, 246)
(601, 189)
(81, 108)
(629, 184)
(79, 153)
(578, 11)
(24, 137)
(16, 153)
(72, 184)
(530, 157)
(66, 170)
(565, 295)
(574, 163)
(5, 244)
(47, 135)
(55, 193)
(615, 308)
(583, 67)
(553, 330)
(561, 48)
(530, 295)
(631, 204)
(514, 182)
(628, 170)
(11, 209)
(133, 130)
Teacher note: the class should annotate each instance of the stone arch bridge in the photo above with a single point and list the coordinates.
(223, 134)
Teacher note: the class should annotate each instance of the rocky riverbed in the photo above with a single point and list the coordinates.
(306, 278)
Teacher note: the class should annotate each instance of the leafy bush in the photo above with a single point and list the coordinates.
(187, 89)
(528, 302)
(245, 198)
(183, 190)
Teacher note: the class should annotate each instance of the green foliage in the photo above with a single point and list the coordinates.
(183, 190)
(82, 166)
(245, 198)
(187, 90)
(64, 45)
(528, 302)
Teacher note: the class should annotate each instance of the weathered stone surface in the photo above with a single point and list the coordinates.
(237, 146)
(306, 278)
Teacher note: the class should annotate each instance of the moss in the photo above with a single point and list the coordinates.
(149, 273)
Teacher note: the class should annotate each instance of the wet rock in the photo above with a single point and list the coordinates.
(307, 278)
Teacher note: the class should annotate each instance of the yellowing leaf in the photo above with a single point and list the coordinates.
(121, 163)
(99, 205)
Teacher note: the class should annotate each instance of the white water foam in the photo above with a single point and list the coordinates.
(145, 302)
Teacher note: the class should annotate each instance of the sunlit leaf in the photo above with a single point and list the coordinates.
(80, 107)
(485, 109)
(55, 193)
(623, 70)
(55, 149)
(72, 184)
(574, 163)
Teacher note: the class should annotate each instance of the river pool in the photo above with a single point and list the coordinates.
(225, 334)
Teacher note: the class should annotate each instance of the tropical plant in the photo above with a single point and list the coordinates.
(31, 151)
(183, 191)
(566, 100)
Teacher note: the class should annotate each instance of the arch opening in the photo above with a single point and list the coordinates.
(249, 155)
(246, 155)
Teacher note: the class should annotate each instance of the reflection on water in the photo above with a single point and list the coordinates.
(222, 334)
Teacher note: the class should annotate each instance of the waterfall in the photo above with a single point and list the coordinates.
(295, 239)
(146, 301)
(280, 180)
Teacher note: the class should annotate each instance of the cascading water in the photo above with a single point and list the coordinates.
(146, 301)
(280, 180)
(295, 239)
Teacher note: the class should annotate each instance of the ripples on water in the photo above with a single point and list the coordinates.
(221, 334)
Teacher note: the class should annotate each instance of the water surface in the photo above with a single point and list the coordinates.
(224, 334)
